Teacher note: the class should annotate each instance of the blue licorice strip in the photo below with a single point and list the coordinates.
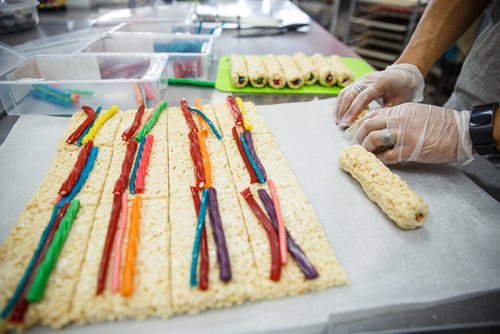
(199, 228)
(49, 98)
(210, 124)
(250, 159)
(53, 90)
(136, 166)
(79, 184)
(199, 28)
(79, 142)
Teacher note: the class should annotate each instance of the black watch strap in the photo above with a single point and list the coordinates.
(481, 128)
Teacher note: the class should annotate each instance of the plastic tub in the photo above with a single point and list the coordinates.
(189, 56)
(167, 13)
(61, 84)
(200, 28)
(18, 15)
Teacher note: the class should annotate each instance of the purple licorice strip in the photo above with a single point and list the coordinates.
(253, 153)
(219, 238)
(298, 254)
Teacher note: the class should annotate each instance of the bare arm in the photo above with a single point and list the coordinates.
(442, 23)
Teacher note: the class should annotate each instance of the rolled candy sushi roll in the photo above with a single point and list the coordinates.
(239, 71)
(256, 71)
(323, 70)
(393, 195)
(343, 74)
(293, 76)
(305, 66)
(275, 76)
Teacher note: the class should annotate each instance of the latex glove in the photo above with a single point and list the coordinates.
(397, 84)
(418, 132)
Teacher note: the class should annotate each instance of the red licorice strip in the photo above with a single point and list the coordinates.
(194, 149)
(271, 234)
(19, 311)
(219, 237)
(130, 132)
(204, 259)
(108, 243)
(235, 110)
(253, 175)
(148, 90)
(187, 116)
(78, 132)
(125, 70)
(298, 254)
(122, 182)
(253, 153)
(73, 176)
(140, 177)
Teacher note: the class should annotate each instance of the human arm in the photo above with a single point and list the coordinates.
(442, 23)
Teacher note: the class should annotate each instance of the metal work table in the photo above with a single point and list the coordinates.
(486, 305)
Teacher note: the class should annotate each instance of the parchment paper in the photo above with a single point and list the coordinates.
(457, 251)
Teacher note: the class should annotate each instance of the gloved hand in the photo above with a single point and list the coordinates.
(397, 84)
(415, 132)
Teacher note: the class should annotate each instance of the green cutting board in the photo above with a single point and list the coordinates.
(223, 82)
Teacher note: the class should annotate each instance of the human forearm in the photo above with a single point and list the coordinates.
(442, 23)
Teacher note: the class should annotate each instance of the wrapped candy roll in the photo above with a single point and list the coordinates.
(393, 195)
(343, 74)
(323, 71)
(256, 71)
(239, 71)
(306, 67)
(293, 76)
(276, 78)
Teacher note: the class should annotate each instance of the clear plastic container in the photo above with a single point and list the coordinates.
(61, 84)
(200, 28)
(188, 56)
(168, 13)
(17, 15)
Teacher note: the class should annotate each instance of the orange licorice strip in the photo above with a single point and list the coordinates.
(201, 121)
(204, 259)
(194, 149)
(205, 157)
(131, 255)
(140, 177)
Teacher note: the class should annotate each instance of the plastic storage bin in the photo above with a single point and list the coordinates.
(17, 15)
(61, 84)
(201, 29)
(168, 13)
(188, 56)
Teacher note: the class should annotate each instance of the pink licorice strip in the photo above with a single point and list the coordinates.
(143, 165)
(115, 275)
(56, 200)
(144, 122)
(281, 222)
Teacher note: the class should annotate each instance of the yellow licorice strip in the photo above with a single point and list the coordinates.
(131, 255)
(246, 123)
(201, 121)
(205, 157)
(99, 123)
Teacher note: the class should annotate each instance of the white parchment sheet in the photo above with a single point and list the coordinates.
(457, 252)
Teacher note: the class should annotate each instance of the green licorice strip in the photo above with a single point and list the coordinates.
(81, 91)
(37, 289)
(149, 125)
(192, 82)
